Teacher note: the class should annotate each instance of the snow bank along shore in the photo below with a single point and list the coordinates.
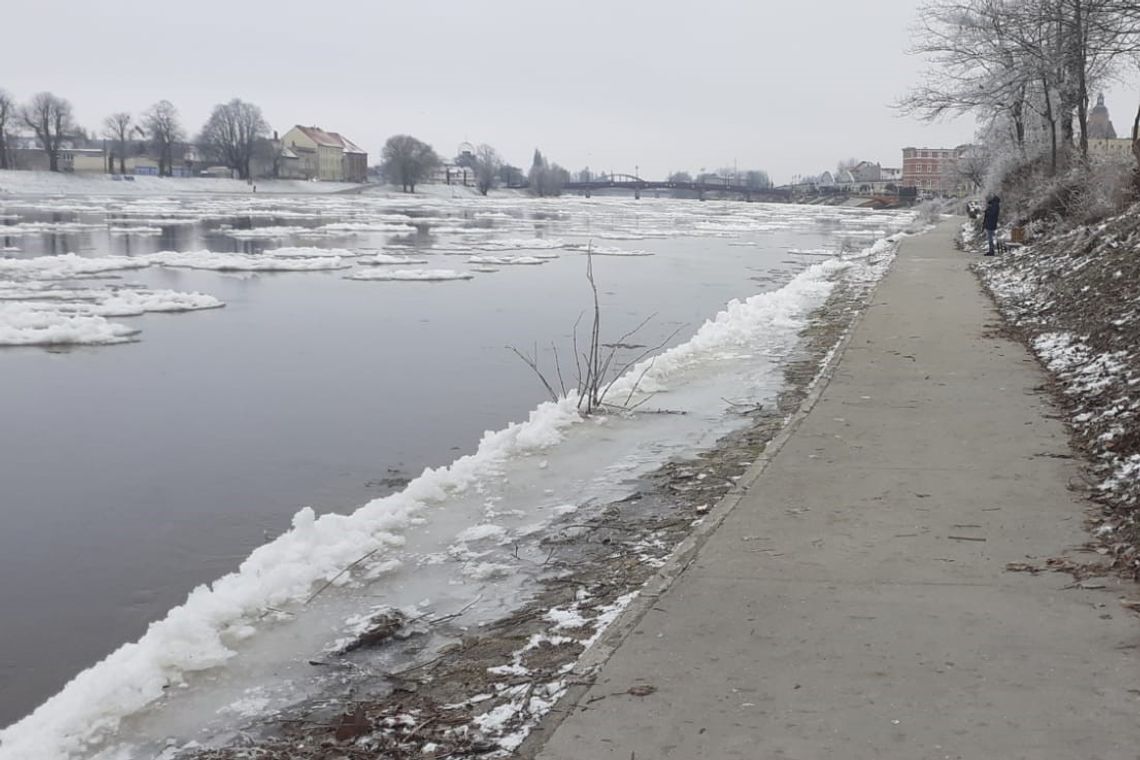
(1073, 295)
(218, 622)
(55, 183)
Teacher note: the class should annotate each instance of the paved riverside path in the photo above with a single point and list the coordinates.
(839, 611)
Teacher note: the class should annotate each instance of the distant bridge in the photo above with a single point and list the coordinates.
(639, 185)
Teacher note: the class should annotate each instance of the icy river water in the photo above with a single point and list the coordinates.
(362, 340)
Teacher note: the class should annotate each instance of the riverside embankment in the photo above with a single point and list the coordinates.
(858, 598)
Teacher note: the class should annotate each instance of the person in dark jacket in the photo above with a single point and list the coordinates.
(990, 222)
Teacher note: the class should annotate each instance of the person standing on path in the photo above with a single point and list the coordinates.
(990, 222)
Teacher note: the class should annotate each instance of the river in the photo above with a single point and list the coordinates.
(135, 471)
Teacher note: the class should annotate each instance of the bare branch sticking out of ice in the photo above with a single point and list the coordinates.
(385, 259)
(244, 262)
(411, 275)
(508, 260)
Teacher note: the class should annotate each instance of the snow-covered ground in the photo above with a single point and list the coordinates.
(53, 183)
(1074, 293)
(240, 646)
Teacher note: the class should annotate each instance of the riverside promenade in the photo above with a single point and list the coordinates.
(851, 600)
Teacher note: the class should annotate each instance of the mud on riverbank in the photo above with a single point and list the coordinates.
(481, 692)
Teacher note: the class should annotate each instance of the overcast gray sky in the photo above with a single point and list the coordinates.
(791, 86)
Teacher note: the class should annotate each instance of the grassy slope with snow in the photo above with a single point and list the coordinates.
(1074, 295)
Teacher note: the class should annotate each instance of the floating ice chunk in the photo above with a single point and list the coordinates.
(368, 227)
(23, 324)
(385, 259)
(507, 260)
(127, 303)
(274, 233)
(420, 275)
(68, 265)
(243, 262)
(309, 252)
(520, 244)
(141, 231)
(608, 250)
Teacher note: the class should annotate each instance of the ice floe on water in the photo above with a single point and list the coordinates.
(508, 260)
(607, 250)
(67, 266)
(244, 262)
(275, 233)
(126, 302)
(309, 252)
(386, 259)
(139, 230)
(32, 324)
(410, 275)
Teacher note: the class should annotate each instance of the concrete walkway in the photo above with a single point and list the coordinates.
(854, 603)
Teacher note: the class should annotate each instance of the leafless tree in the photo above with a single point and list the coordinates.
(232, 132)
(119, 127)
(681, 177)
(487, 166)
(49, 117)
(407, 161)
(164, 128)
(597, 365)
(7, 115)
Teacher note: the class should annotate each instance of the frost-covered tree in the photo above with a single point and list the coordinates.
(681, 177)
(164, 128)
(487, 166)
(1023, 60)
(7, 116)
(407, 161)
(231, 134)
(49, 117)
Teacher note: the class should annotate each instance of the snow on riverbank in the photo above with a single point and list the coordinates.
(1074, 294)
(216, 622)
(51, 183)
